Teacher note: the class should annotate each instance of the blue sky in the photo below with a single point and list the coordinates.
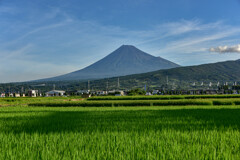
(45, 38)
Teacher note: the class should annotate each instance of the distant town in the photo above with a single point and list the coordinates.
(86, 93)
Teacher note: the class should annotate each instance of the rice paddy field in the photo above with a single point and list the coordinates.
(161, 128)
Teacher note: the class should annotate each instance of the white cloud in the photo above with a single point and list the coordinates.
(181, 27)
(209, 34)
(226, 49)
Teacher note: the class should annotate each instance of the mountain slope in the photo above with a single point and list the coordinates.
(228, 71)
(123, 61)
(221, 71)
(181, 77)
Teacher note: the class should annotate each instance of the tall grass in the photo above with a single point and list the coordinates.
(120, 133)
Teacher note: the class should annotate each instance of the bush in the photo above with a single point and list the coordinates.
(136, 92)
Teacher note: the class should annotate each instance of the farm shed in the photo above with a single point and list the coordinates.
(55, 93)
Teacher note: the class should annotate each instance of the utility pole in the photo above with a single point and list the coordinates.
(107, 85)
(118, 83)
(88, 85)
(167, 80)
(54, 86)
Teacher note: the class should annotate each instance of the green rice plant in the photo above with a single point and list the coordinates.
(182, 103)
(123, 103)
(124, 133)
(211, 96)
(222, 102)
(27, 100)
(99, 98)
(162, 97)
(236, 102)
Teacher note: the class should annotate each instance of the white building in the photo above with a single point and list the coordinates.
(102, 93)
(155, 92)
(119, 93)
(17, 95)
(2, 95)
(55, 93)
(84, 91)
(33, 93)
(148, 94)
(10, 95)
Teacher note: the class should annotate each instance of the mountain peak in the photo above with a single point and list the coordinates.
(127, 51)
(127, 46)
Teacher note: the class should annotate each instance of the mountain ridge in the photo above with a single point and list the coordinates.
(125, 60)
(179, 78)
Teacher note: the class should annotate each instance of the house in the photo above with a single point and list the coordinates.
(17, 95)
(211, 91)
(221, 91)
(83, 91)
(2, 95)
(148, 94)
(155, 92)
(71, 93)
(33, 93)
(112, 92)
(198, 92)
(119, 93)
(101, 93)
(9, 95)
(93, 92)
(234, 92)
(54, 93)
(183, 92)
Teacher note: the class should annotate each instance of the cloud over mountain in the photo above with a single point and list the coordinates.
(226, 49)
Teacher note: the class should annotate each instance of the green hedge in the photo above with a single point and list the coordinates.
(211, 96)
(223, 102)
(181, 103)
(135, 98)
(162, 97)
(237, 102)
(123, 103)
